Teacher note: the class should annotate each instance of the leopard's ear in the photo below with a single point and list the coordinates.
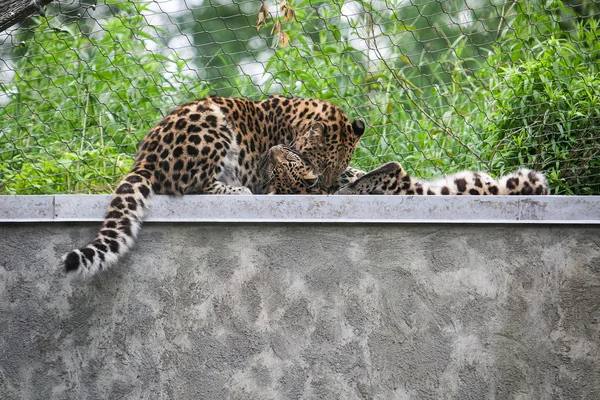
(358, 127)
(276, 154)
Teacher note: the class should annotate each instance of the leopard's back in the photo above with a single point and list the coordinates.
(191, 148)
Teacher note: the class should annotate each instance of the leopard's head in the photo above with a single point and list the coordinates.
(287, 173)
(328, 145)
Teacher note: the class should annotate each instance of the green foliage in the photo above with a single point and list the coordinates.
(546, 109)
(423, 124)
(65, 173)
(516, 87)
(79, 104)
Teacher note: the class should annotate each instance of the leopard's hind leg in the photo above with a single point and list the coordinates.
(221, 188)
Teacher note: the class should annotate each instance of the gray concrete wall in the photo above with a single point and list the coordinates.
(310, 311)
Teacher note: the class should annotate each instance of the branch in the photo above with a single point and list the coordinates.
(15, 11)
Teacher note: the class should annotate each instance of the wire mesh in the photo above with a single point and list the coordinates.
(443, 86)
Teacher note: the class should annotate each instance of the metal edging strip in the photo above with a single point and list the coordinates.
(316, 209)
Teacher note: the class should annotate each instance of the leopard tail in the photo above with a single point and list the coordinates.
(121, 224)
(524, 182)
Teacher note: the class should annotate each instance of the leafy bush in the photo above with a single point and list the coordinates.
(424, 123)
(546, 101)
(79, 103)
(434, 94)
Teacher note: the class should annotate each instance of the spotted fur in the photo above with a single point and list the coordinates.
(288, 173)
(524, 182)
(215, 146)
(392, 179)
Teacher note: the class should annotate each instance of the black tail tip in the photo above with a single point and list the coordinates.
(72, 262)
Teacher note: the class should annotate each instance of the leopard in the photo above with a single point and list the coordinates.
(216, 145)
(288, 173)
(392, 179)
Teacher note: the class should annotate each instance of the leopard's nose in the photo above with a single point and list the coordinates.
(328, 180)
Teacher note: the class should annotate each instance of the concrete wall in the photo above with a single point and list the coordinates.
(312, 311)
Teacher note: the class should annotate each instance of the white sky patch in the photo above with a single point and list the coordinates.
(183, 45)
(249, 7)
(350, 12)
(6, 76)
(257, 43)
(353, 14)
(174, 6)
(255, 68)
(183, 48)
(5, 37)
(163, 13)
(173, 43)
(464, 18)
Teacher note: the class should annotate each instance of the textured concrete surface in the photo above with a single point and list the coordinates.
(305, 311)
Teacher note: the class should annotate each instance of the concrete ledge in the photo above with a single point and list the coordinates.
(310, 209)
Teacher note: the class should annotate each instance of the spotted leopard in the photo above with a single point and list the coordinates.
(288, 173)
(392, 179)
(215, 146)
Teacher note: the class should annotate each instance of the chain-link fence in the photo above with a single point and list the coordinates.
(442, 85)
